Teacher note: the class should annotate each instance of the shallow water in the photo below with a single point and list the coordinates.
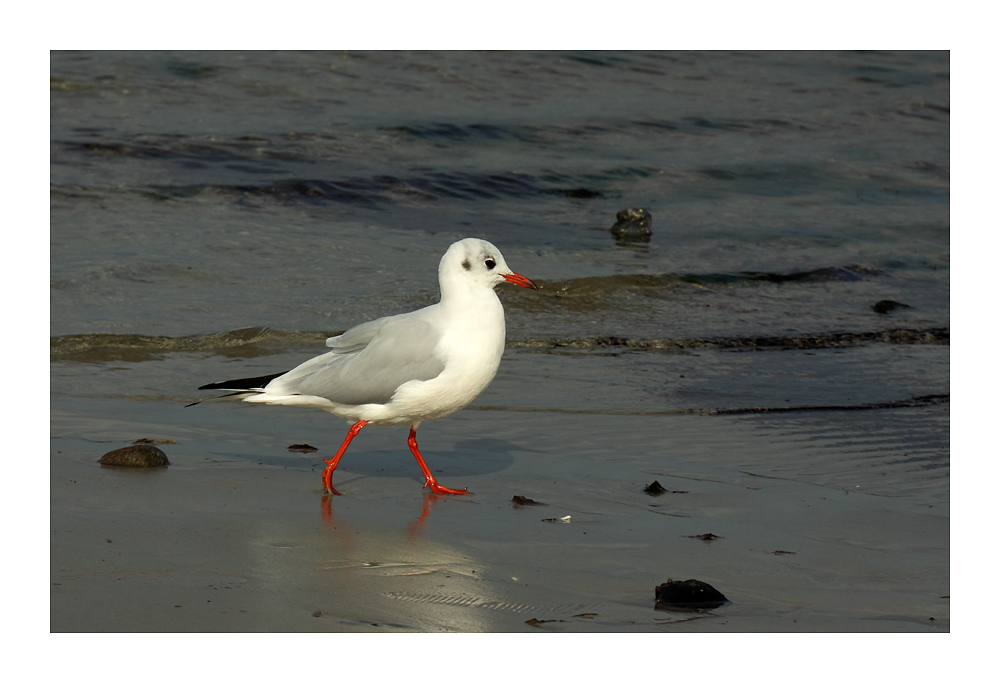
(217, 215)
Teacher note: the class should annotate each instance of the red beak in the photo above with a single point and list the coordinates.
(519, 280)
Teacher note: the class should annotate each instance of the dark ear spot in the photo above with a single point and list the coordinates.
(466, 264)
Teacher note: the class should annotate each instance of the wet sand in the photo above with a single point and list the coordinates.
(236, 535)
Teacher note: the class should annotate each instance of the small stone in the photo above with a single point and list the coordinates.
(522, 501)
(634, 225)
(706, 537)
(139, 455)
(690, 594)
(655, 489)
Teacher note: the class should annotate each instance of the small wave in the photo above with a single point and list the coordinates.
(248, 342)
(382, 188)
(256, 341)
(828, 340)
(248, 148)
(606, 291)
(909, 402)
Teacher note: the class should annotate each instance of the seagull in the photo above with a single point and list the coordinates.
(407, 368)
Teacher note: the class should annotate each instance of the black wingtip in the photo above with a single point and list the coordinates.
(245, 383)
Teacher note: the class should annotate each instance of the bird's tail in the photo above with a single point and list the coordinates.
(243, 388)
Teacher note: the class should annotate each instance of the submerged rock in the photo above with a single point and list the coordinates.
(522, 501)
(139, 455)
(634, 225)
(580, 193)
(886, 305)
(688, 595)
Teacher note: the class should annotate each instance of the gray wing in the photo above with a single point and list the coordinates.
(368, 362)
(358, 336)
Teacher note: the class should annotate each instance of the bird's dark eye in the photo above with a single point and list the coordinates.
(490, 264)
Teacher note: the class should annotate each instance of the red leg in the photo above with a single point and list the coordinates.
(331, 464)
(431, 481)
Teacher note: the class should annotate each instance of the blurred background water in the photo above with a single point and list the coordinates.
(198, 193)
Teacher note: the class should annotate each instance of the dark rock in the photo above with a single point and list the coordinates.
(655, 489)
(688, 595)
(521, 501)
(634, 225)
(139, 455)
(302, 448)
(886, 305)
(706, 537)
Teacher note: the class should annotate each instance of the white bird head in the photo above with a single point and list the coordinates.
(473, 262)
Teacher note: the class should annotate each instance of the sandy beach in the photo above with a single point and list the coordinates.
(236, 536)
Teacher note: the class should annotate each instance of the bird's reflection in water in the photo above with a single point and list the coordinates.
(374, 573)
(429, 501)
(326, 508)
